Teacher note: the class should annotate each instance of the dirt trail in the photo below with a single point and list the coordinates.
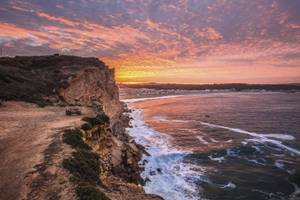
(25, 133)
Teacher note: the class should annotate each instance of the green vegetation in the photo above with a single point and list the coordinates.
(41, 103)
(88, 192)
(98, 120)
(73, 138)
(84, 166)
(86, 126)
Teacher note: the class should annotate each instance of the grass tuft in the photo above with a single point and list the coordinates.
(86, 126)
(88, 192)
(84, 166)
(73, 137)
(98, 120)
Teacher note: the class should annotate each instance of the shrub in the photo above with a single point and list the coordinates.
(73, 137)
(84, 166)
(98, 120)
(88, 192)
(41, 103)
(86, 126)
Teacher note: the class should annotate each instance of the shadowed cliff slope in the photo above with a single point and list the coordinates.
(59, 80)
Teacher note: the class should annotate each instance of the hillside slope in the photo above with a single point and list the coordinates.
(59, 80)
(35, 93)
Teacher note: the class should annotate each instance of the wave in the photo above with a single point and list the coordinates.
(202, 140)
(260, 138)
(165, 119)
(149, 98)
(165, 172)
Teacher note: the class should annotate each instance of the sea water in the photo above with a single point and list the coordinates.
(234, 145)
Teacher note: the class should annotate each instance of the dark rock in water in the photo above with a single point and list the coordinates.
(145, 162)
(207, 116)
(147, 180)
(73, 111)
(152, 173)
(159, 170)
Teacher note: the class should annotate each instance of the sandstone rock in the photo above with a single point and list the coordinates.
(60, 80)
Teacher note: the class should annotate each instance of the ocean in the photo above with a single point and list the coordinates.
(219, 145)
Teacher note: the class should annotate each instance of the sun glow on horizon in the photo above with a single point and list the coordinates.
(179, 41)
(201, 73)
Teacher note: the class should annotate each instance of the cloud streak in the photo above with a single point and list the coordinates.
(151, 40)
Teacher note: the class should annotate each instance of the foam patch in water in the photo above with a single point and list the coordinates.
(169, 177)
(218, 159)
(202, 140)
(149, 98)
(260, 138)
(229, 185)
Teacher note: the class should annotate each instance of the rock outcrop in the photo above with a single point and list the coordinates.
(81, 84)
(119, 157)
(60, 80)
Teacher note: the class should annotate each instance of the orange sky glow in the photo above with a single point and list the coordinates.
(180, 41)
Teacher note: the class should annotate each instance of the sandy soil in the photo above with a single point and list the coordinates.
(26, 132)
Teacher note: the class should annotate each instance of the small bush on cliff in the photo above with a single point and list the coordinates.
(88, 192)
(73, 137)
(84, 166)
(98, 120)
(41, 103)
(86, 126)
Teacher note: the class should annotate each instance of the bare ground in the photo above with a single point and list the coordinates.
(31, 150)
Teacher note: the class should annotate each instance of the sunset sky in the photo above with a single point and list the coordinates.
(174, 41)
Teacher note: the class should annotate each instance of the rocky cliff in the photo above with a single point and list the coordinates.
(59, 80)
(89, 85)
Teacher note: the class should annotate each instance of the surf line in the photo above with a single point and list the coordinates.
(262, 138)
(150, 98)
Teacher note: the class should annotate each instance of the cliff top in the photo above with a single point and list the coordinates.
(34, 77)
(49, 62)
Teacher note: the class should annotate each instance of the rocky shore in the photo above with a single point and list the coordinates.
(62, 83)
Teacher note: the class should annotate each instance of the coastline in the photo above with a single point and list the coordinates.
(34, 122)
(162, 154)
(163, 169)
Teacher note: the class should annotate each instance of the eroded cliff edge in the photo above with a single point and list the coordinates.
(88, 84)
(59, 80)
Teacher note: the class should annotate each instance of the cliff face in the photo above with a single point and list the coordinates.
(93, 84)
(60, 80)
(90, 85)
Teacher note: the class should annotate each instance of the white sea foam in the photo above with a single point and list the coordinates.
(149, 98)
(202, 140)
(169, 176)
(214, 140)
(218, 159)
(229, 185)
(165, 119)
(260, 138)
(279, 136)
(255, 161)
(279, 164)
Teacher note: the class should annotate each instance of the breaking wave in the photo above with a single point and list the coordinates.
(164, 171)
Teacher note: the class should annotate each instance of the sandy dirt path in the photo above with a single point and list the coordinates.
(25, 133)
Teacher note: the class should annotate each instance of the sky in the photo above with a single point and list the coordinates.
(166, 41)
